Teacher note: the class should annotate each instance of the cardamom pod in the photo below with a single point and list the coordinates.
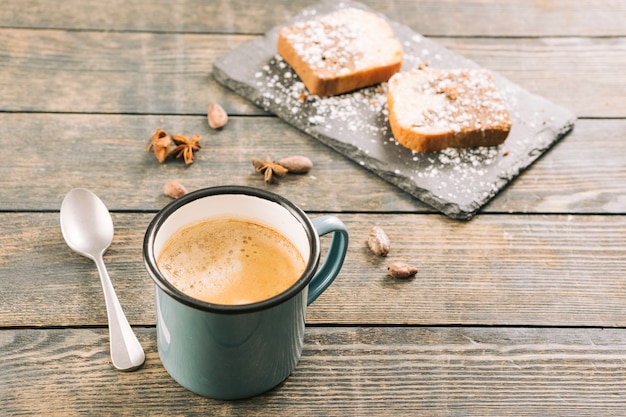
(378, 241)
(401, 270)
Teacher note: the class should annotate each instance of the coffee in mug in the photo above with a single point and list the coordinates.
(234, 351)
(230, 261)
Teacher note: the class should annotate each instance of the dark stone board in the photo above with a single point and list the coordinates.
(456, 182)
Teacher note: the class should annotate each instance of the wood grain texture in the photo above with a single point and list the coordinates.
(495, 270)
(110, 72)
(585, 173)
(161, 73)
(520, 311)
(343, 371)
(431, 17)
(108, 154)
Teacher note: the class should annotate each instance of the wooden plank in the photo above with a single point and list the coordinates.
(433, 17)
(108, 154)
(109, 72)
(559, 270)
(585, 173)
(160, 73)
(343, 371)
(48, 154)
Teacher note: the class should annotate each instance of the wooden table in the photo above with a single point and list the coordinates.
(520, 311)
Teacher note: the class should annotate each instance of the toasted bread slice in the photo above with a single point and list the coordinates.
(431, 110)
(341, 52)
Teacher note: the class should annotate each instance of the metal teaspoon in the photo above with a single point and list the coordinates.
(88, 230)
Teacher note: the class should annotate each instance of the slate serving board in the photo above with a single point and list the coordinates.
(455, 182)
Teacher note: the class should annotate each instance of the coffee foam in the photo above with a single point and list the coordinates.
(230, 261)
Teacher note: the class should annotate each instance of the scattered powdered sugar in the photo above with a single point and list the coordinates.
(282, 91)
(472, 161)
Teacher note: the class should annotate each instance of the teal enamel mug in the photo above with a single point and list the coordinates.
(234, 351)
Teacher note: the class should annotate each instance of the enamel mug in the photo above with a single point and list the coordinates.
(238, 351)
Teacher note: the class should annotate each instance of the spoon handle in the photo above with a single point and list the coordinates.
(126, 352)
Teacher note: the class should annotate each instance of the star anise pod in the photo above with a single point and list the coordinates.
(269, 168)
(160, 141)
(186, 147)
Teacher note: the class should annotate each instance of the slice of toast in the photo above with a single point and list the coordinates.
(431, 110)
(341, 52)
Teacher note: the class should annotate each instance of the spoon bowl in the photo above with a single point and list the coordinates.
(86, 223)
(87, 228)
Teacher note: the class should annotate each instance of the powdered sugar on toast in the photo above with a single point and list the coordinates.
(430, 110)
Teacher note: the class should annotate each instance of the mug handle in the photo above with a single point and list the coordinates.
(327, 273)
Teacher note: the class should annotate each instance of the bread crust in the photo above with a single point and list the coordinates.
(433, 110)
(341, 52)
